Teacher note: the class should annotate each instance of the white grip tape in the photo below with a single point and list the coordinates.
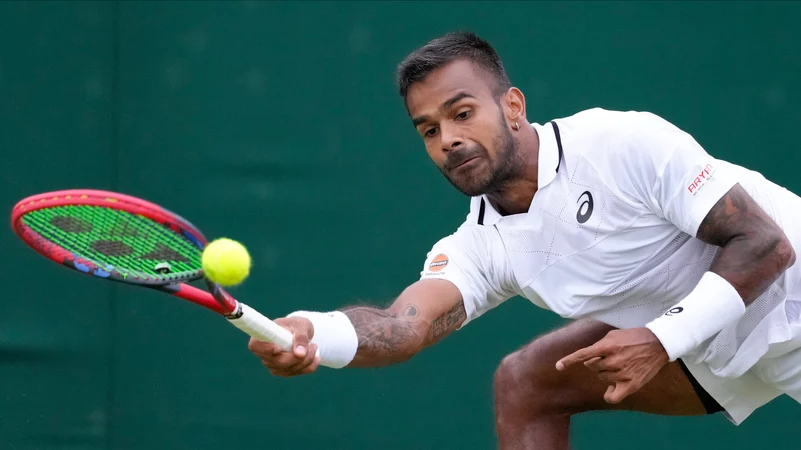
(256, 325)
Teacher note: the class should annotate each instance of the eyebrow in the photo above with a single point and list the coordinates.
(445, 105)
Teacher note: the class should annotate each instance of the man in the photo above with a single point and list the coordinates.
(678, 267)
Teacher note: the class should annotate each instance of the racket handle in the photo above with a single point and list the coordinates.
(256, 325)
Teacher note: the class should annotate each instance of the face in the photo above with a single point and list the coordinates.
(465, 129)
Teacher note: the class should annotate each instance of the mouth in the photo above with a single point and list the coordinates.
(466, 162)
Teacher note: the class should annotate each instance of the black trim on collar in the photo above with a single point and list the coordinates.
(483, 206)
(558, 144)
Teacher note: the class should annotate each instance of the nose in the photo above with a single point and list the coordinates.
(451, 140)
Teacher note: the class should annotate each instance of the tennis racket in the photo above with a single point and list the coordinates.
(117, 237)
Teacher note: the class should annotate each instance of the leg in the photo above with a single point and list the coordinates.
(534, 402)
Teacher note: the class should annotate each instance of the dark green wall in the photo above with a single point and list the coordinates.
(278, 124)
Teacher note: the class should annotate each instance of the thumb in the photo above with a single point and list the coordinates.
(300, 341)
(609, 391)
(617, 392)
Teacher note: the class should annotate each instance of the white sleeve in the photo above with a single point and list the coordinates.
(474, 260)
(665, 168)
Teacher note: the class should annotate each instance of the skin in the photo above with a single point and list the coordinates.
(476, 126)
(482, 143)
(534, 402)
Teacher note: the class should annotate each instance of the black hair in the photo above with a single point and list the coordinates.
(446, 49)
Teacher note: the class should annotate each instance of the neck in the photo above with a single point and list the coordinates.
(516, 196)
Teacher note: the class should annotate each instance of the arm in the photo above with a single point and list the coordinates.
(364, 336)
(755, 251)
(465, 275)
(672, 176)
(705, 198)
(422, 315)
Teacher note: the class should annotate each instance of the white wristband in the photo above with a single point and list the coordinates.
(334, 335)
(711, 306)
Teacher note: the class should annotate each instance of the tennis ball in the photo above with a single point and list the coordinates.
(226, 262)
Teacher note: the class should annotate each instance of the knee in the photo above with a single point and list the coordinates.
(519, 383)
(507, 376)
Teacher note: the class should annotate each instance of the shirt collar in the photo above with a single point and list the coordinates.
(549, 156)
(548, 162)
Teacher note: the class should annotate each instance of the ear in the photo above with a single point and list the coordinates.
(514, 105)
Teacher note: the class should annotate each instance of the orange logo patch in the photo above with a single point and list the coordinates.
(438, 263)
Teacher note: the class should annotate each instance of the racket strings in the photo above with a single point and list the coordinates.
(116, 239)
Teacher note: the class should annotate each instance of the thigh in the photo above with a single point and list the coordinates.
(577, 390)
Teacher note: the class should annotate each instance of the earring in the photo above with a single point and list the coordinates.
(516, 127)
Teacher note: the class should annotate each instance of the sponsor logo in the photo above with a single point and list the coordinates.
(674, 311)
(585, 208)
(438, 263)
(701, 179)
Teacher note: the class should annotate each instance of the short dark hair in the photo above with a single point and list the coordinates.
(446, 49)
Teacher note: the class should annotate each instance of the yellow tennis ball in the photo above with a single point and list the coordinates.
(226, 262)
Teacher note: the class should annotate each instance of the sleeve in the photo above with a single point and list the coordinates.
(665, 168)
(474, 260)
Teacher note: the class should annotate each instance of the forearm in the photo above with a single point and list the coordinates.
(753, 253)
(394, 335)
(754, 250)
(366, 336)
(752, 265)
(384, 337)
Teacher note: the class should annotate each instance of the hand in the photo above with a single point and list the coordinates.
(300, 361)
(627, 359)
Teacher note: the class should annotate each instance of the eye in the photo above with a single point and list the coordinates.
(464, 115)
(430, 132)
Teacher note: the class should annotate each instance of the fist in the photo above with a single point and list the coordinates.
(300, 360)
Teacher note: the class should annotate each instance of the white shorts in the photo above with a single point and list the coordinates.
(777, 373)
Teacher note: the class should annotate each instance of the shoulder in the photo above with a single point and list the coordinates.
(597, 128)
(613, 140)
(471, 244)
(471, 239)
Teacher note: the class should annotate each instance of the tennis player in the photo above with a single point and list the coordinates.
(678, 267)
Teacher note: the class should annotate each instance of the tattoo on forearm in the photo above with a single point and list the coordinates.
(754, 249)
(383, 338)
(386, 337)
(447, 322)
(411, 311)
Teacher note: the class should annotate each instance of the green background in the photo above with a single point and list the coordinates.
(279, 124)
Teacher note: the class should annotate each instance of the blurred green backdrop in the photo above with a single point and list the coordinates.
(278, 124)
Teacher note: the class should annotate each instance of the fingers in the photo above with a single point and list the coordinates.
(617, 392)
(300, 359)
(604, 370)
(622, 360)
(611, 363)
(284, 363)
(305, 361)
(594, 363)
(290, 372)
(596, 350)
(608, 394)
(263, 348)
(608, 372)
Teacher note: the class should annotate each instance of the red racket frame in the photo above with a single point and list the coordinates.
(218, 300)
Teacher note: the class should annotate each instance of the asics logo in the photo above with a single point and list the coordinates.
(585, 208)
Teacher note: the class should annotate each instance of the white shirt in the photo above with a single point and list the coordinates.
(610, 233)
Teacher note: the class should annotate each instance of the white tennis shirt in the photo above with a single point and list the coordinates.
(610, 233)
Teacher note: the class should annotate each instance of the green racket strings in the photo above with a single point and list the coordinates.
(114, 239)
